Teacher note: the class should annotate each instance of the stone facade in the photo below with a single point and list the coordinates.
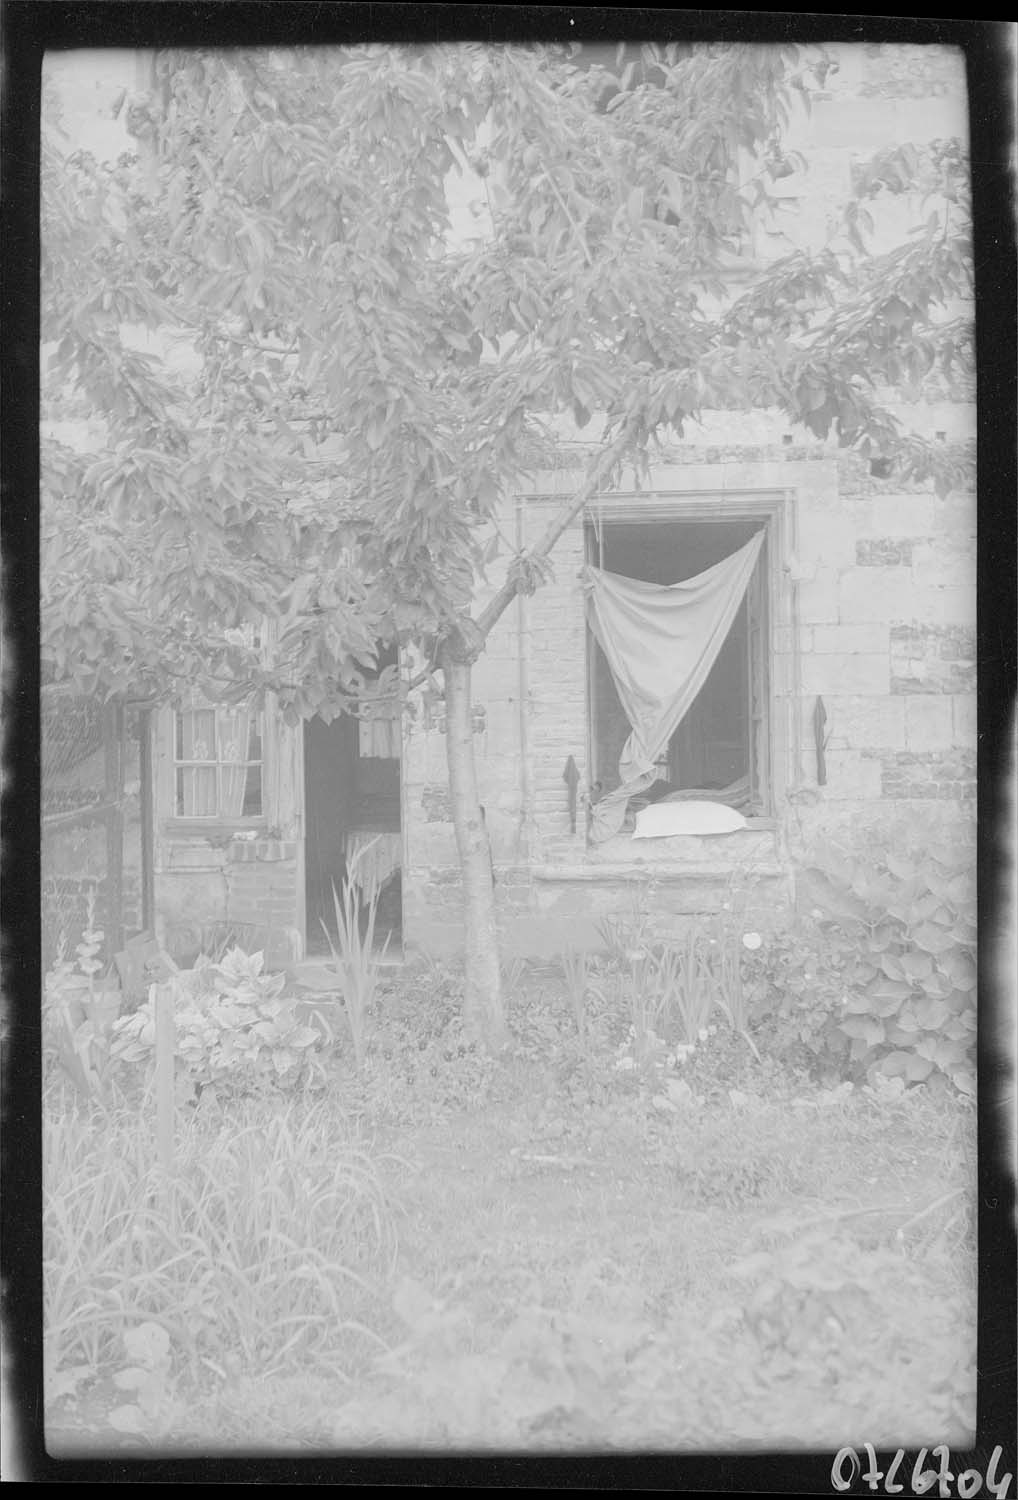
(851, 625)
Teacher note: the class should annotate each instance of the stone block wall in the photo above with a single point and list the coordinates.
(876, 615)
(888, 641)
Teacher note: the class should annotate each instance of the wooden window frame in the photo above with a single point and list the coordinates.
(173, 822)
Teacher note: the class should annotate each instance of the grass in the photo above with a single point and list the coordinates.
(530, 1254)
(710, 1349)
(265, 1249)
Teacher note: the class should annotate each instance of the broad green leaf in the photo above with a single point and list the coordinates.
(864, 1028)
(905, 1065)
(932, 938)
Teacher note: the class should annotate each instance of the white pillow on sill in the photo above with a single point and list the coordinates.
(664, 820)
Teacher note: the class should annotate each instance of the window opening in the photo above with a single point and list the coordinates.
(720, 748)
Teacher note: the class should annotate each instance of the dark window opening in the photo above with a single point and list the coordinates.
(721, 746)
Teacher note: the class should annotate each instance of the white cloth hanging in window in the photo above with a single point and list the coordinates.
(660, 642)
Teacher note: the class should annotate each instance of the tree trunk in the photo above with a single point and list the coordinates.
(482, 1001)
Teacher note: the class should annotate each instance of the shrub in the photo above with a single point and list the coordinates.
(797, 982)
(882, 974)
(235, 1030)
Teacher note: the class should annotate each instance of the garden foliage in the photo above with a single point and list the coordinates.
(673, 988)
(235, 1029)
(356, 963)
(78, 1012)
(262, 1248)
(880, 974)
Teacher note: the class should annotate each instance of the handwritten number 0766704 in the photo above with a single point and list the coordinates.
(846, 1468)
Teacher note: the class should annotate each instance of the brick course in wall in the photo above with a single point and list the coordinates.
(933, 658)
(884, 552)
(261, 881)
(928, 774)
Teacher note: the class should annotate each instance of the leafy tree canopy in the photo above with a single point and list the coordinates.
(308, 394)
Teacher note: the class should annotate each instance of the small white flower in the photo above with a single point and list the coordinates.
(816, 912)
(751, 940)
(704, 1033)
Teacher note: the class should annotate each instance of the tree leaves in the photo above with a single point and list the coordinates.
(288, 228)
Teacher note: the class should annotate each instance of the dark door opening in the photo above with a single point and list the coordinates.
(352, 821)
(720, 747)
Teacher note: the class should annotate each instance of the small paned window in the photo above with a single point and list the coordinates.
(218, 763)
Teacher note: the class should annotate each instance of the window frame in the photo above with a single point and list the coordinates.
(767, 507)
(173, 822)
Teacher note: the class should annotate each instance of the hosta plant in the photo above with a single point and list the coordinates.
(882, 972)
(236, 1031)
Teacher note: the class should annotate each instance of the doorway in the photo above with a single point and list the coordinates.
(352, 822)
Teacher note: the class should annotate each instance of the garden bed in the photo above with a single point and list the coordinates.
(552, 1250)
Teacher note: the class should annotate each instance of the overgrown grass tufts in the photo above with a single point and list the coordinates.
(265, 1250)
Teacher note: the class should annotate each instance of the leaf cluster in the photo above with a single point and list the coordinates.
(306, 387)
(235, 1030)
(881, 978)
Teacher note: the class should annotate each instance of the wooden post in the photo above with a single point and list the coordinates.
(148, 920)
(166, 1046)
(113, 730)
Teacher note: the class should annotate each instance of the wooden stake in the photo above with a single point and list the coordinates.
(166, 1045)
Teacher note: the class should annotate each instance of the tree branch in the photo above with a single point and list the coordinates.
(234, 338)
(602, 466)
